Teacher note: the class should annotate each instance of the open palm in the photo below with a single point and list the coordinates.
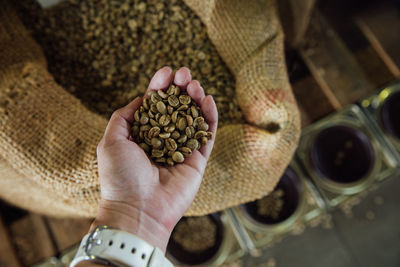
(129, 180)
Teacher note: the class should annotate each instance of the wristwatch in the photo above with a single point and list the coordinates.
(108, 246)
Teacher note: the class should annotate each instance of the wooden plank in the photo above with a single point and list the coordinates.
(8, 257)
(31, 239)
(381, 26)
(313, 103)
(68, 232)
(333, 66)
(374, 67)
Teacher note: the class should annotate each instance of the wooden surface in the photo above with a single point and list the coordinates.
(8, 257)
(312, 102)
(332, 64)
(68, 232)
(31, 239)
(381, 26)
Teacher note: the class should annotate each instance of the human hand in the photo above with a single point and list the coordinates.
(136, 195)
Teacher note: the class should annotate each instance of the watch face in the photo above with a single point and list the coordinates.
(196, 240)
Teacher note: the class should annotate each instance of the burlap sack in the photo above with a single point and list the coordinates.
(49, 139)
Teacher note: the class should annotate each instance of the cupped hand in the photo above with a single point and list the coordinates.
(136, 195)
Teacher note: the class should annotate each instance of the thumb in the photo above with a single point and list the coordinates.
(119, 126)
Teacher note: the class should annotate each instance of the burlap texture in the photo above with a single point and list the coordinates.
(49, 139)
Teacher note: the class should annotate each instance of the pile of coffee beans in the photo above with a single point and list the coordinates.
(195, 234)
(169, 126)
(105, 52)
(271, 205)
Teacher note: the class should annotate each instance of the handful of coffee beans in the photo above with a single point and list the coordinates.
(169, 126)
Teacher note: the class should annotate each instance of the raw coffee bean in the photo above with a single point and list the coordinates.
(194, 112)
(203, 141)
(153, 108)
(175, 135)
(162, 94)
(136, 116)
(190, 131)
(120, 45)
(151, 114)
(156, 142)
(178, 157)
(145, 128)
(170, 128)
(182, 139)
(155, 98)
(151, 92)
(170, 162)
(185, 99)
(170, 144)
(177, 90)
(192, 144)
(141, 135)
(173, 101)
(185, 151)
(171, 90)
(202, 126)
(174, 116)
(166, 128)
(145, 147)
(157, 153)
(164, 120)
(164, 135)
(189, 120)
(181, 123)
(183, 107)
(197, 121)
(170, 109)
(161, 107)
(147, 140)
(146, 104)
(154, 123)
(144, 118)
(200, 134)
(154, 132)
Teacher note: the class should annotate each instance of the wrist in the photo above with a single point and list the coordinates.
(125, 217)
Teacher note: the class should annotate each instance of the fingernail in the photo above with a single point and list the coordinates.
(180, 77)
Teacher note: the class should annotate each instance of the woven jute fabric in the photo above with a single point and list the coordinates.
(49, 139)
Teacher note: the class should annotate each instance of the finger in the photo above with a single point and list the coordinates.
(210, 114)
(161, 79)
(119, 126)
(196, 92)
(182, 78)
(197, 161)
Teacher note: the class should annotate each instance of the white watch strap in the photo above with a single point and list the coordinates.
(121, 249)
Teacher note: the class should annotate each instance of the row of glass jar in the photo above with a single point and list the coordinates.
(338, 157)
